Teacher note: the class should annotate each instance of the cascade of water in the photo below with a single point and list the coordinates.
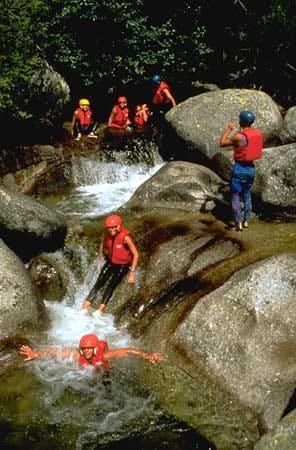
(63, 405)
(100, 187)
(71, 395)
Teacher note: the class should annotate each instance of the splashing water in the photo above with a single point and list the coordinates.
(100, 187)
(80, 408)
(95, 403)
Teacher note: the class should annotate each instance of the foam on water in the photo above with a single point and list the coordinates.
(84, 397)
(114, 186)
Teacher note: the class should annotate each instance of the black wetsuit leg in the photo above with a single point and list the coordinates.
(104, 275)
(119, 272)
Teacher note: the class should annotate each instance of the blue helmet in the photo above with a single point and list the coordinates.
(247, 117)
(156, 79)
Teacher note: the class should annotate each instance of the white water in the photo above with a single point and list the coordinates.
(102, 187)
(75, 396)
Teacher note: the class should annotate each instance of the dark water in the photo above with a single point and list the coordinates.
(43, 415)
(51, 404)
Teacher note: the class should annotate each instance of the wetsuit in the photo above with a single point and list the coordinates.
(116, 266)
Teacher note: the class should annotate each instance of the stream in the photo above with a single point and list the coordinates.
(52, 403)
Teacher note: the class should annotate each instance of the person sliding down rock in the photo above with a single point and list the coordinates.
(121, 257)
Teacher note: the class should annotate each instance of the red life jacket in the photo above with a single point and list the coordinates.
(121, 117)
(253, 149)
(158, 96)
(118, 252)
(139, 119)
(84, 117)
(97, 359)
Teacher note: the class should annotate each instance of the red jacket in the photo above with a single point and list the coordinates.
(121, 117)
(84, 117)
(253, 149)
(97, 359)
(158, 96)
(117, 251)
(139, 119)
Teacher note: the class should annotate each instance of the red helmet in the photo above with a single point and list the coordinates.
(89, 341)
(113, 221)
(122, 100)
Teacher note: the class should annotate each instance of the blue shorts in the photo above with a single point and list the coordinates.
(242, 177)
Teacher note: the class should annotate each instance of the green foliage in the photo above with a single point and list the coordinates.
(19, 39)
(113, 43)
(259, 45)
(98, 44)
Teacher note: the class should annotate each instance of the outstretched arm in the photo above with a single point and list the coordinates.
(31, 354)
(121, 352)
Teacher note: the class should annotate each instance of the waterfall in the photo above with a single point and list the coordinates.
(76, 397)
(100, 186)
(66, 406)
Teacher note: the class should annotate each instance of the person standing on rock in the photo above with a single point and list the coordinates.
(247, 146)
(121, 257)
(142, 114)
(162, 99)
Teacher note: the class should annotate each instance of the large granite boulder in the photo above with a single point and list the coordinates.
(199, 121)
(49, 93)
(288, 133)
(179, 185)
(19, 307)
(28, 227)
(275, 182)
(283, 437)
(275, 185)
(245, 334)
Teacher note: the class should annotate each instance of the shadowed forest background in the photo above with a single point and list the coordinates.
(104, 48)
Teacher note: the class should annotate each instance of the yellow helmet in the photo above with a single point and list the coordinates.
(84, 102)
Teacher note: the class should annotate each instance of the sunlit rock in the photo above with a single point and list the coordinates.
(288, 133)
(179, 185)
(199, 121)
(283, 437)
(19, 308)
(27, 226)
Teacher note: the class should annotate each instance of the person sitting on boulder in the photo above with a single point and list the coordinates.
(82, 121)
(141, 116)
(119, 116)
